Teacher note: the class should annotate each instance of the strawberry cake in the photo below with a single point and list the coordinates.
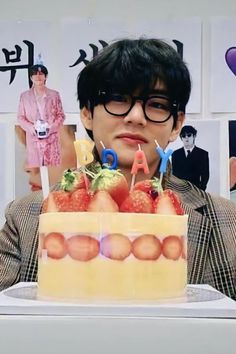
(100, 245)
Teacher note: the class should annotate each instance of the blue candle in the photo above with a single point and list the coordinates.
(106, 155)
(164, 157)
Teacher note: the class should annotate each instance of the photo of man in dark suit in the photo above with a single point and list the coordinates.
(191, 162)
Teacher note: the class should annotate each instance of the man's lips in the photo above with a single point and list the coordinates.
(35, 187)
(132, 138)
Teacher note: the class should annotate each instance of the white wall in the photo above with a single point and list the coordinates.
(132, 10)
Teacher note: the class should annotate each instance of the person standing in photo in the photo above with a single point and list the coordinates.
(67, 134)
(191, 162)
(40, 114)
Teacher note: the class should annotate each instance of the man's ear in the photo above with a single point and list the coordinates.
(177, 129)
(86, 118)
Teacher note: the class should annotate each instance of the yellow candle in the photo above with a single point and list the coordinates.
(83, 149)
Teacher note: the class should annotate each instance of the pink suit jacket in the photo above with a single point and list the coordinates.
(28, 113)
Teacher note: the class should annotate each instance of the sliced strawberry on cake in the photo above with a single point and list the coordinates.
(168, 203)
(57, 201)
(172, 247)
(146, 247)
(101, 201)
(137, 202)
(79, 200)
(82, 247)
(115, 246)
(55, 244)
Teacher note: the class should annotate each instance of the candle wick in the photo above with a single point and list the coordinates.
(102, 144)
(132, 183)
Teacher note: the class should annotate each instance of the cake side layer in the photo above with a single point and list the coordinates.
(113, 222)
(112, 256)
(103, 279)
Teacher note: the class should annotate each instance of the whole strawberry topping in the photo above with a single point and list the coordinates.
(150, 186)
(73, 180)
(113, 182)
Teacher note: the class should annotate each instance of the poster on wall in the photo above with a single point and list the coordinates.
(6, 166)
(21, 43)
(87, 37)
(201, 159)
(223, 65)
(28, 178)
(185, 36)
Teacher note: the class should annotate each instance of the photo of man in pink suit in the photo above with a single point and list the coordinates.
(41, 114)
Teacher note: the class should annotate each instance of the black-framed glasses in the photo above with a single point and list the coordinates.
(156, 108)
(187, 135)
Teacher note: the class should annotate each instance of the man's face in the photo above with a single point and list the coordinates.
(188, 140)
(124, 134)
(38, 79)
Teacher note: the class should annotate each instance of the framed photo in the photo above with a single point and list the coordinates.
(28, 178)
(210, 162)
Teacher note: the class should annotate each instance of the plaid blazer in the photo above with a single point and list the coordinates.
(211, 238)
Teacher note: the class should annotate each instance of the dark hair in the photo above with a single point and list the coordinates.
(128, 65)
(38, 67)
(188, 129)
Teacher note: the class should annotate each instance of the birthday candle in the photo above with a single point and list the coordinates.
(84, 155)
(164, 159)
(83, 149)
(140, 162)
(106, 153)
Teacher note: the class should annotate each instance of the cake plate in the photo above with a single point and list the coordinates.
(201, 301)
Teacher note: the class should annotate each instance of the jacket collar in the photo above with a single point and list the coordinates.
(191, 197)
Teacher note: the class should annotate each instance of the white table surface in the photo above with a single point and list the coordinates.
(187, 327)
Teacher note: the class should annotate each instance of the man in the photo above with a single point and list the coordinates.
(133, 93)
(191, 162)
(41, 115)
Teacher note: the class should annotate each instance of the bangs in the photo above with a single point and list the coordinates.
(38, 68)
(131, 71)
(129, 66)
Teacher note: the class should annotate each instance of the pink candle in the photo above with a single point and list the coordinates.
(140, 162)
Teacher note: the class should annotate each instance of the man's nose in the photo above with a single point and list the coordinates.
(136, 114)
